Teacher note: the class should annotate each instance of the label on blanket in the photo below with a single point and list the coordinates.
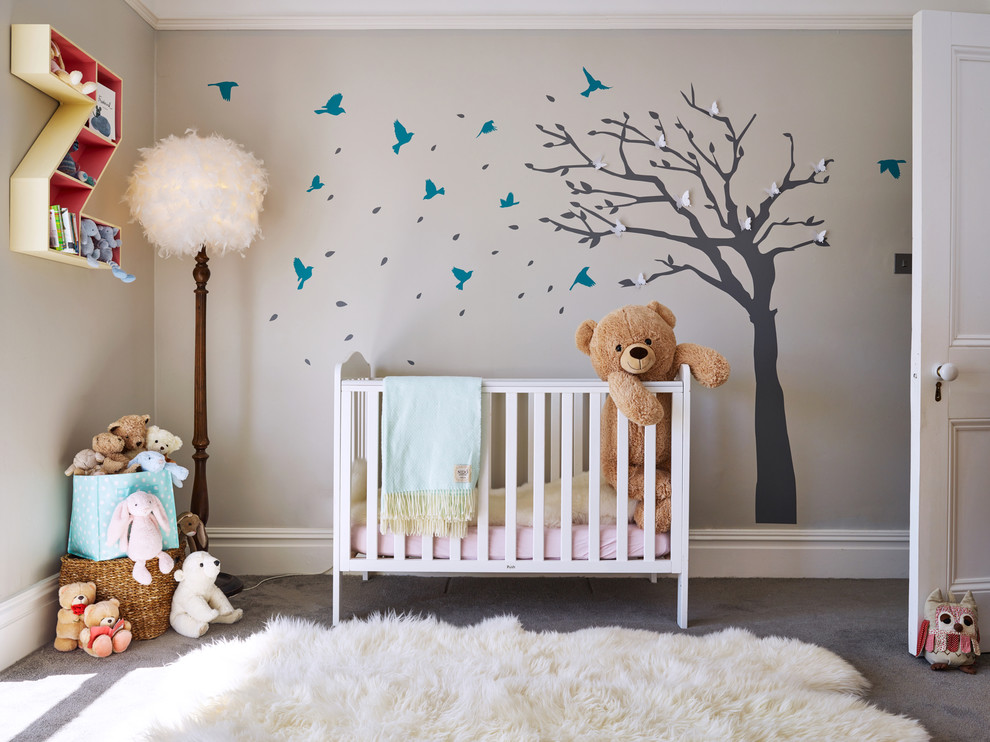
(94, 499)
(462, 473)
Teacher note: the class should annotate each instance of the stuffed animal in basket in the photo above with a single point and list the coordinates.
(949, 635)
(632, 345)
(154, 461)
(134, 430)
(137, 524)
(111, 447)
(105, 632)
(197, 601)
(163, 442)
(194, 531)
(73, 599)
(85, 462)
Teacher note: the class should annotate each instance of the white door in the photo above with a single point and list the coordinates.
(950, 436)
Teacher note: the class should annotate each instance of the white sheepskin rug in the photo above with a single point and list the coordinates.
(396, 678)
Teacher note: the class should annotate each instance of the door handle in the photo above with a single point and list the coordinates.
(947, 371)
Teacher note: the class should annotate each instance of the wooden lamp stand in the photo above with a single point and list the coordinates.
(200, 502)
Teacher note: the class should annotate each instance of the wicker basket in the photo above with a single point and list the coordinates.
(145, 606)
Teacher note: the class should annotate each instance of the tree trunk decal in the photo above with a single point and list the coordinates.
(729, 230)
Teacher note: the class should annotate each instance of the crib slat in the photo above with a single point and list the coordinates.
(511, 455)
(484, 476)
(594, 477)
(566, 480)
(649, 494)
(578, 448)
(622, 488)
(555, 439)
(539, 450)
(342, 516)
(371, 403)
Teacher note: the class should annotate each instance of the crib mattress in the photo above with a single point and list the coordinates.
(580, 542)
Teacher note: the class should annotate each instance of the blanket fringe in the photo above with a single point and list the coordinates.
(440, 513)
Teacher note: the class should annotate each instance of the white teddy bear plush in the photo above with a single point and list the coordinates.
(197, 601)
(162, 441)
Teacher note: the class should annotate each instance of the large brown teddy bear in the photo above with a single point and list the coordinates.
(73, 599)
(632, 345)
(134, 430)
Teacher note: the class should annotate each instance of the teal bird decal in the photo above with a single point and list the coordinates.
(593, 84)
(583, 278)
(303, 272)
(333, 105)
(432, 190)
(316, 185)
(487, 128)
(891, 166)
(508, 201)
(225, 88)
(461, 275)
(401, 136)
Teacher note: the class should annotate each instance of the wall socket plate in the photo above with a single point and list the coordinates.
(902, 262)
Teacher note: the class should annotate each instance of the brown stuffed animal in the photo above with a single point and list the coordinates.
(105, 631)
(111, 447)
(193, 529)
(73, 598)
(134, 430)
(632, 345)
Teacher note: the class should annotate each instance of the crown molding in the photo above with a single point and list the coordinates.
(354, 15)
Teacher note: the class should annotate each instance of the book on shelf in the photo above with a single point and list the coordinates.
(55, 237)
(104, 117)
(69, 227)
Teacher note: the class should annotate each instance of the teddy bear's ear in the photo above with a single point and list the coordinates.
(582, 338)
(664, 312)
(147, 419)
(114, 601)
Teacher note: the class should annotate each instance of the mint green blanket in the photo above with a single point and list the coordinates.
(431, 452)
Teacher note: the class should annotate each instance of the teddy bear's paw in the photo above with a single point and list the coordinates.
(232, 616)
(66, 645)
(102, 646)
(122, 640)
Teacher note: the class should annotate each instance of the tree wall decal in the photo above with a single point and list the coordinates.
(722, 242)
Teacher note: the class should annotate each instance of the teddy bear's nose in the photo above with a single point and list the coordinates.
(638, 352)
(958, 628)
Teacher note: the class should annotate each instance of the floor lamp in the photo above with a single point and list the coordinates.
(199, 196)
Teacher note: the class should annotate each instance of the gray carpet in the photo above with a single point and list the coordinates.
(861, 620)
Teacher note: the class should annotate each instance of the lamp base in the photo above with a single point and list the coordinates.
(229, 584)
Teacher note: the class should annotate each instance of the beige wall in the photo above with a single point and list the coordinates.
(78, 346)
(843, 321)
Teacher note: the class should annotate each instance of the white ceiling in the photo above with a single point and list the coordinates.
(538, 14)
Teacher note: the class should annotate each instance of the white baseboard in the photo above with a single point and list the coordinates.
(781, 552)
(272, 551)
(27, 619)
(763, 552)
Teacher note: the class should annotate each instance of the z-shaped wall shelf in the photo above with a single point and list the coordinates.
(37, 183)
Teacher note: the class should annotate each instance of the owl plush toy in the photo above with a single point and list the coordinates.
(950, 635)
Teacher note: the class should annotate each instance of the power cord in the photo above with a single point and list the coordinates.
(328, 570)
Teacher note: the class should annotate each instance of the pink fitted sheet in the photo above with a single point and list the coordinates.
(524, 543)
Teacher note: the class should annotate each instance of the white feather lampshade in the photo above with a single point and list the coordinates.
(194, 192)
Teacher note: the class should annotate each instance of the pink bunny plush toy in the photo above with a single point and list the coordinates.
(143, 515)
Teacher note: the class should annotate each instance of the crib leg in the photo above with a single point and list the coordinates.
(364, 576)
(682, 600)
(653, 578)
(336, 596)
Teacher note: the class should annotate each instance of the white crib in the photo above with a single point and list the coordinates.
(554, 438)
